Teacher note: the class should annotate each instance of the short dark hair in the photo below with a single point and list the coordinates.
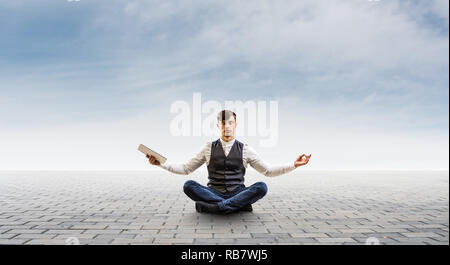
(225, 115)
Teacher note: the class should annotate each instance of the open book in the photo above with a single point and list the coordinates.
(144, 149)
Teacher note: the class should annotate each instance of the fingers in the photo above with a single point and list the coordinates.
(300, 157)
(304, 158)
(307, 159)
(304, 155)
(152, 159)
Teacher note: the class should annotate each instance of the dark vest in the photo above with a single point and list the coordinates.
(225, 173)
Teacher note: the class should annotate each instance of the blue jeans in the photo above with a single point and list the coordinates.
(229, 201)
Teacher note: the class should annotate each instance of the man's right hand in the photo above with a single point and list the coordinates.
(152, 160)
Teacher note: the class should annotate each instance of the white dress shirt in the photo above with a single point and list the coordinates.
(249, 156)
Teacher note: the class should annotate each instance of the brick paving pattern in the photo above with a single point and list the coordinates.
(302, 207)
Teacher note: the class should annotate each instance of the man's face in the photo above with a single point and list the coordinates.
(228, 127)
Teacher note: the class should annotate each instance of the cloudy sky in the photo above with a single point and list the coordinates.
(359, 84)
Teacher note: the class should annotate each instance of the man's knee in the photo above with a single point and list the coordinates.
(261, 187)
(188, 185)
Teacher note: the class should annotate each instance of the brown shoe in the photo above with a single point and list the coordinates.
(247, 208)
(205, 207)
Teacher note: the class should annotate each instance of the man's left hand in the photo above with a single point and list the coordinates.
(302, 160)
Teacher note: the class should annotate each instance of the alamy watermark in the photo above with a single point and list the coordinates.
(72, 241)
(254, 118)
(372, 241)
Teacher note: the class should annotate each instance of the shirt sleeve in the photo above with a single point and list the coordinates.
(262, 167)
(190, 166)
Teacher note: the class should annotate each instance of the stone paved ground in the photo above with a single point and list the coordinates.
(302, 207)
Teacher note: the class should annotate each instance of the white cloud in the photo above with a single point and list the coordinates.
(361, 83)
(338, 137)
